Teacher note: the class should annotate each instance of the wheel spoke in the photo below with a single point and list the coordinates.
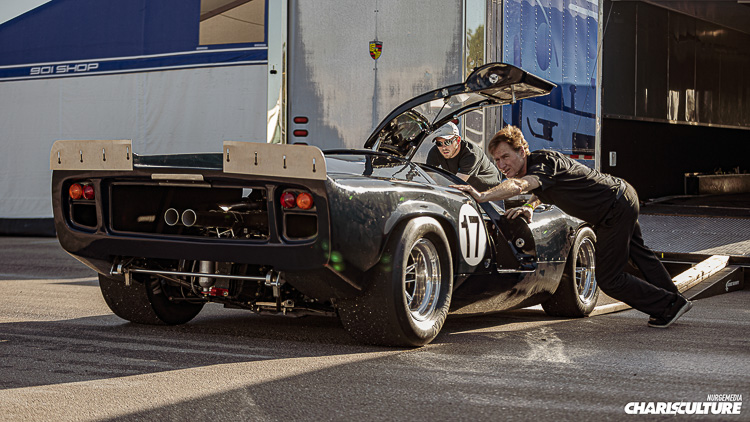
(409, 297)
(409, 269)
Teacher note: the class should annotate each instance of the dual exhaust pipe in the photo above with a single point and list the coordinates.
(254, 220)
(188, 217)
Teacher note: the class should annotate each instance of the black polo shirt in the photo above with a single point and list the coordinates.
(578, 190)
(470, 160)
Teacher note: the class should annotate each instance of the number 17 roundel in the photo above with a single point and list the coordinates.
(472, 235)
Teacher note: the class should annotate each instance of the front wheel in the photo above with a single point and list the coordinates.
(409, 293)
(578, 292)
(145, 301)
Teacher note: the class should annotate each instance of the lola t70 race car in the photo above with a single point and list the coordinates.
(371, 235)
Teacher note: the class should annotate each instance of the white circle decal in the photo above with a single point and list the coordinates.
(471, 235)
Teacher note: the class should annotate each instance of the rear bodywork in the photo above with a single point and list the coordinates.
(324, 253)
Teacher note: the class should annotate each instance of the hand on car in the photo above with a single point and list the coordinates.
(470, 190)
(523, 212)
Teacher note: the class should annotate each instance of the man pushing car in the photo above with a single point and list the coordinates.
(608, 203)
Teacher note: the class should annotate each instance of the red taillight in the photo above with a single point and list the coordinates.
(304, 201)
(300, 133)
(88, 192)
(75, 191)
(300, 120)
(287, 200)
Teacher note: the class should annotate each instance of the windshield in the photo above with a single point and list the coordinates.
(375, 166)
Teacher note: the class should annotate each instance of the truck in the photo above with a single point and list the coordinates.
(180, 76)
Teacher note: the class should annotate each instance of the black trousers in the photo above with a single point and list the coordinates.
(618, 237)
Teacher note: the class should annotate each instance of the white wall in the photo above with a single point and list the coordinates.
(178, 111)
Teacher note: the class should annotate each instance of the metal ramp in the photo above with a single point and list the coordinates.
(727, 280)
(716, 250)
(708, 278)
(677, 234)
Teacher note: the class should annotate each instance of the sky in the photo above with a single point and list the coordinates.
(9, 9)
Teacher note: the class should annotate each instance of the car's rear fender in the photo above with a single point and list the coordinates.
(366, 211)
(414, 209)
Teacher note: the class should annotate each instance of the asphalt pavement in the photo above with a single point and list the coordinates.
(65, 356)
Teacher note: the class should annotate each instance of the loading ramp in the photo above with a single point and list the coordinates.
(704, 241)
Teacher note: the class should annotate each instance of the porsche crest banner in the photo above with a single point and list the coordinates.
(376, 47)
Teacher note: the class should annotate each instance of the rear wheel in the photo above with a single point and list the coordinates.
(409, 291)
(578, 292)
(146, 301)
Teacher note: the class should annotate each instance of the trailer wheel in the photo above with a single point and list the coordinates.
(578, 291)
(145, 301)
(409, 291)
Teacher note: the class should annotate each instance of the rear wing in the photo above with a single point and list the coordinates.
(251, 158)
(262, 159)
(92, 155)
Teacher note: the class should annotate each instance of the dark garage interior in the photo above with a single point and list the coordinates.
(675, 92)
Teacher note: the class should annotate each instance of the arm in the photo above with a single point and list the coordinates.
(526, 211)
(533, 202)
(508, 188)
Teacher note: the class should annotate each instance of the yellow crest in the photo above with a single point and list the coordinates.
(376, 47)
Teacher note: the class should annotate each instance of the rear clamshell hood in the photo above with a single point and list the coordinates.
(494, 84)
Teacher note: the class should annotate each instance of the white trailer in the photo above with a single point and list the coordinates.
(182, 76)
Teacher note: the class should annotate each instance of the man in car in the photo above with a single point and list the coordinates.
(609, 204)
(462, 158)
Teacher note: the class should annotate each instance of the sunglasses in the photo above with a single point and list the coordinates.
(444, 143)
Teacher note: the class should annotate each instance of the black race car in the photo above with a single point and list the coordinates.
(369, 235)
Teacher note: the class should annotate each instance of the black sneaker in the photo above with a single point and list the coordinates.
(675, 310)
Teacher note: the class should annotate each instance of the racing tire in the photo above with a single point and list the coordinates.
(145, 301)
(409, 291)
(577, 293)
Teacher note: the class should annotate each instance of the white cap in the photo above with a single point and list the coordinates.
(448, 130)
